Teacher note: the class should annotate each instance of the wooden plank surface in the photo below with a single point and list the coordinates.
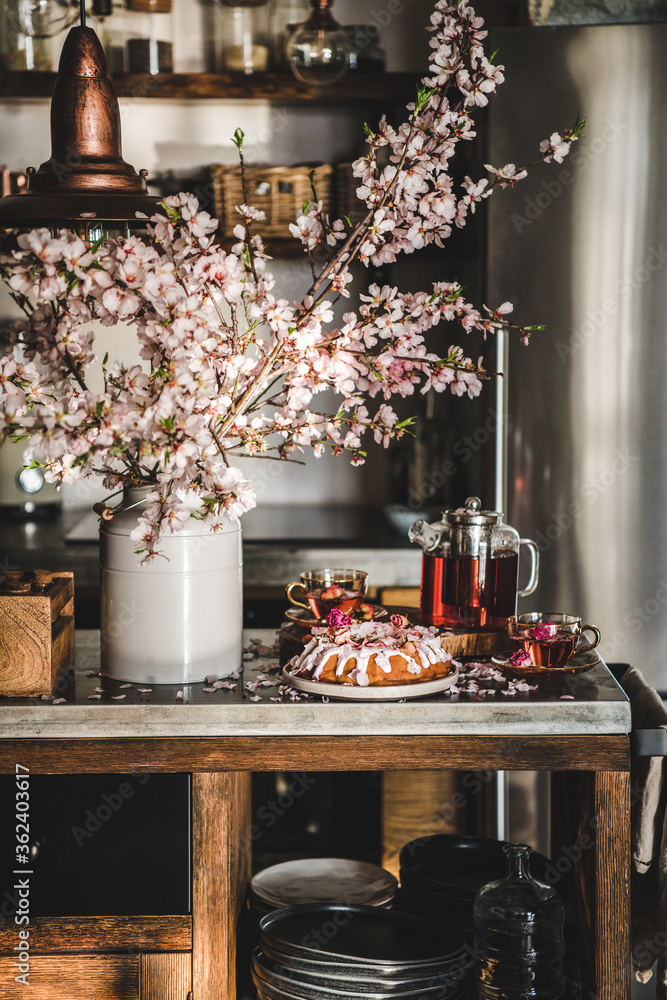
(80, 977)
(213, 942)
(611, 802)
(241, 841)
(165, 977)
(62, 935)
(220, 871)
(293, 753)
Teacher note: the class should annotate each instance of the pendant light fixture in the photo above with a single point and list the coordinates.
(317, 52)
(86, 185)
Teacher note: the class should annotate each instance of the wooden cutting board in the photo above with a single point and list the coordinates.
(474, 643)
(459, 643)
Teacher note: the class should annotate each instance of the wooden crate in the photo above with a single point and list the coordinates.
(279, 192)
(36, 632)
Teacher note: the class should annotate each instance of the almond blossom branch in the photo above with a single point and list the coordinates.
(215, 336)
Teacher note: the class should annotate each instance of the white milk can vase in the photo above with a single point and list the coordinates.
(178, 618)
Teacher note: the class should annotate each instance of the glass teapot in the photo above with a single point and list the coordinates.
(470, 568)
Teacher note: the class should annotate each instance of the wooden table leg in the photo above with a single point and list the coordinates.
(220, 867)
(611, 807)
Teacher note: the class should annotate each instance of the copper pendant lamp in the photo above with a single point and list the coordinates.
(86, 183)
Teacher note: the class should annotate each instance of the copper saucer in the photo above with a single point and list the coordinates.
(577, 664)
(302, 616)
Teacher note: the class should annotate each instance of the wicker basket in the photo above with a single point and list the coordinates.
(347, 203)
(279, 192)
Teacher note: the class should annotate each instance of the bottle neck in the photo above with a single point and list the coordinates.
(518, 863)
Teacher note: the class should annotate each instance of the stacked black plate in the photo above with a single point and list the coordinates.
(357, 953)
(440, 876)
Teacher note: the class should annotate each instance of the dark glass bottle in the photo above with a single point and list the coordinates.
(518, 935)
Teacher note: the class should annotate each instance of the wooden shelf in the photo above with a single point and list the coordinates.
(356, 88)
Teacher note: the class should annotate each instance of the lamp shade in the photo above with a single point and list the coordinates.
(86, 176)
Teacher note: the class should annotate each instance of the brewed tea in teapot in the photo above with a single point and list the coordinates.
(470, 568)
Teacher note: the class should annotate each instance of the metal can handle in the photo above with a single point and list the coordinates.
(591, 645)
(288, 590)
(534, 567)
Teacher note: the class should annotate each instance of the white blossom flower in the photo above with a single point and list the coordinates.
(554, 148)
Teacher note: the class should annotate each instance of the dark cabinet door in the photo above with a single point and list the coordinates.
(100, 844)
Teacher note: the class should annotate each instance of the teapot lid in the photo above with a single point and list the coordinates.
(472, 514)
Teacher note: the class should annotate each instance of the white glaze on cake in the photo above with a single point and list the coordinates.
(417, 644)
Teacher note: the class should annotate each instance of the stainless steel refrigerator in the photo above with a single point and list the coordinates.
(582, 247)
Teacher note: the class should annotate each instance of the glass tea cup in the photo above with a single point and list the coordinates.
(550, 640)
(326, 589)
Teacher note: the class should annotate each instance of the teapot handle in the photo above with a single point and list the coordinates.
(534, 567)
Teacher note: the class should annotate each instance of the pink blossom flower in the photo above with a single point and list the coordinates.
(337, 619)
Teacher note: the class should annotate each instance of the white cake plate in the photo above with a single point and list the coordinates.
(352, 692)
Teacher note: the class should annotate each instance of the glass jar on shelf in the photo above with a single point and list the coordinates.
(286, 15)
(27, 32)
(99, 19)
(149, 38)
(365, 54)
(244, 36)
